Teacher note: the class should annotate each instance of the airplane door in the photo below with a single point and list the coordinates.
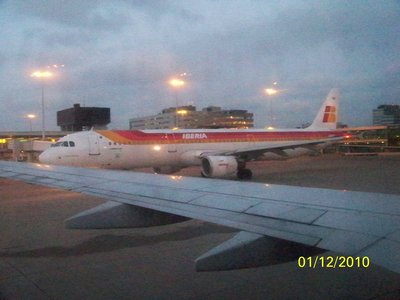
(171, 143)
(94, 146)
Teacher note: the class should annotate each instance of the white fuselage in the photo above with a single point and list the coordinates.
(137, 149)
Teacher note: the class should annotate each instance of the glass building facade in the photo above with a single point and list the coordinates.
(386, 115)
(190, 118)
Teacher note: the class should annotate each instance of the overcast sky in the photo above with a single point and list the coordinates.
(120, 54)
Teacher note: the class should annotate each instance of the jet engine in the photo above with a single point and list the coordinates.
(166, 169)
(218, 166)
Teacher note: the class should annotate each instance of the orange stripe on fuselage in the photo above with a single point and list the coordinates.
(140, 137)
(113, 136)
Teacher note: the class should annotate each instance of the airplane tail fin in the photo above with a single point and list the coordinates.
(327, 116)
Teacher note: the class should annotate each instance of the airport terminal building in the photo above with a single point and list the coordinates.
(386, 115)
(189, 117)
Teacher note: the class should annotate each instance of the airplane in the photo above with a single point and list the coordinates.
(273, 220)
(219, 152)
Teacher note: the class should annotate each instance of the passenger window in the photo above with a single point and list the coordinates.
(71, 144)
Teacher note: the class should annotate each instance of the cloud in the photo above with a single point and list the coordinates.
(98, 14)
(70, 13)
(120, 53)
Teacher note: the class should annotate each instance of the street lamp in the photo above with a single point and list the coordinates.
(176, 84)
(30, 118)
(42, 76)
(271, 92)
(182, 112)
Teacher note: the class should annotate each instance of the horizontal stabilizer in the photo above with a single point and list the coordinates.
(118, 215)
(248, 250)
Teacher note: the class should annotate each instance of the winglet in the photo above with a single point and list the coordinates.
(327, 116)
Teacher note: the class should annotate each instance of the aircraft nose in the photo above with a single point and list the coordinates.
(44, 157)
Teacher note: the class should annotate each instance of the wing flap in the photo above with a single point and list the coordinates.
(342, 241)
(359, 222)
(146, 190)
(287, 212)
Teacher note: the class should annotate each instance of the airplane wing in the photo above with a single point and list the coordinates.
(353, 223)
(278, 148)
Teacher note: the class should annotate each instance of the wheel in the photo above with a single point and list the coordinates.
(244, 174)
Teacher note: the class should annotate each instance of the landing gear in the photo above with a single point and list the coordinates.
(244, 174)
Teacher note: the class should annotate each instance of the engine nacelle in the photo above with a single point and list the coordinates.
(218, 166)
(166, 169)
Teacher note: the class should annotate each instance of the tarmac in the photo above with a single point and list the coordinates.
(40, 259)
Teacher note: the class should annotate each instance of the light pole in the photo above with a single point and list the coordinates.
(42, 75)
(30, 118)
(176, 83)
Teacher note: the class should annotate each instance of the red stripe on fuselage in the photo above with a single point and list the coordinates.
(140, 137)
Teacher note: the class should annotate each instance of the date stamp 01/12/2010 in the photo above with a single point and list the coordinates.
(333, 262)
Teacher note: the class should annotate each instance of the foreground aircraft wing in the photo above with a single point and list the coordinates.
(254, 152)
(352, 223)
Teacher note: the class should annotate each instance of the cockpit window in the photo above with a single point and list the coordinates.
(58, 144)
(64, 144)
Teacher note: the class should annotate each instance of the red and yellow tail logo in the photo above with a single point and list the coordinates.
(329, 114)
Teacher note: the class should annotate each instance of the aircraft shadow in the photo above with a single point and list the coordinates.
(110, 242)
